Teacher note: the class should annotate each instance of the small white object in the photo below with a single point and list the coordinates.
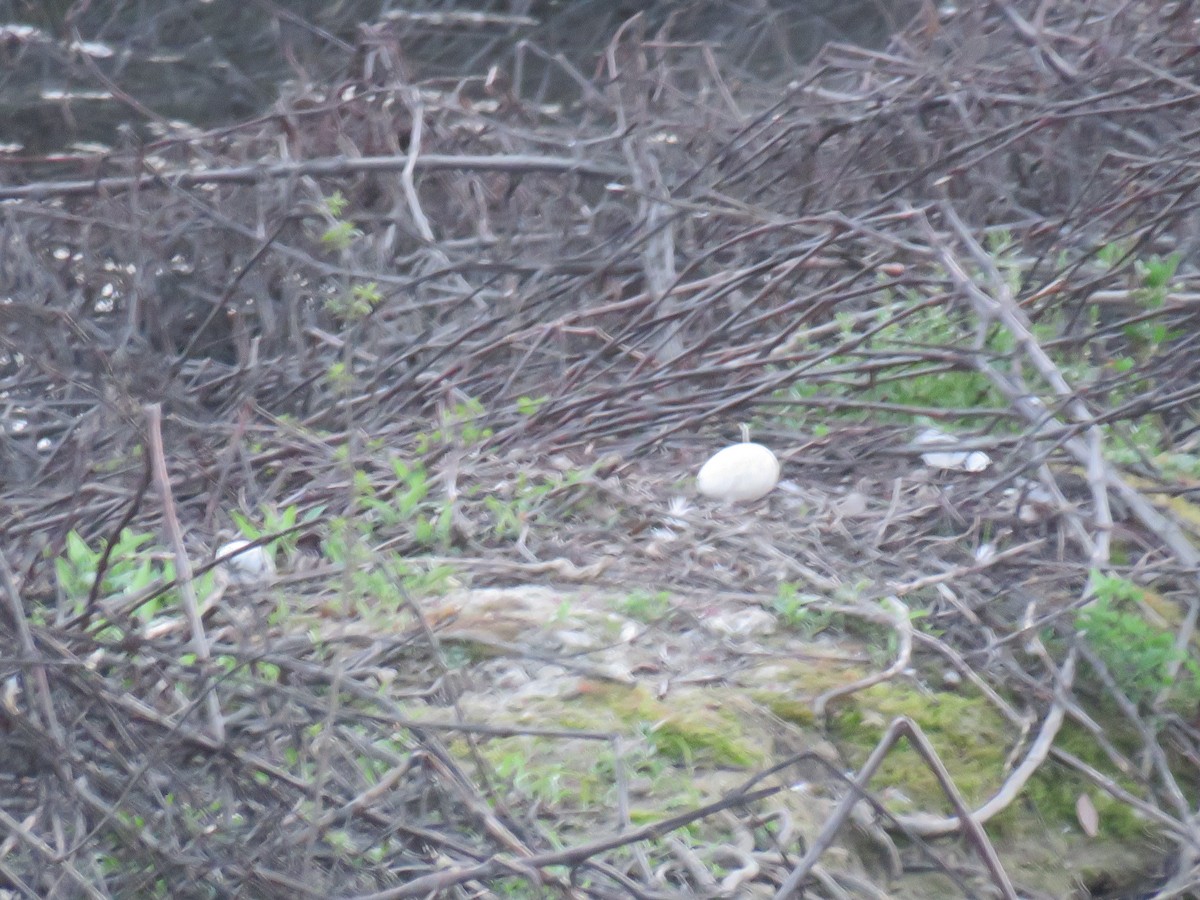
(1031, 502)
(9, 694)
(248, 565)
(739, 473)
(851, 505)
(954, 460)
(677, 513)
(740, 623)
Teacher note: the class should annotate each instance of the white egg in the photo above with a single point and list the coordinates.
(249, 565)
(739, 473)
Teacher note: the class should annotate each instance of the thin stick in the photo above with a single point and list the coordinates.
(49, 854)
(41, 682)
(183, 566)
(902, 727)
(904, 629)
(441, 880)
(335, 165)
(935, 826)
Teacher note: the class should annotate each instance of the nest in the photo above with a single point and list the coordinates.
(429, 333)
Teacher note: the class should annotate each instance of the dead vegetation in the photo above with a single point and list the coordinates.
(431, 336)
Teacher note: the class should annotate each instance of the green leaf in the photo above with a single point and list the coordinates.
(245, 526)
(341, 235)
(79, 552)
(335, 204)
(528, 406)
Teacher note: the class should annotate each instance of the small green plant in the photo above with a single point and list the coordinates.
(376, 579)
(457, 656)
(510, 516)
(373, 577)
(407, 503)
(507, 519)
(922, 384)
(341, 233)
(275, 522)
(904, 328)
(556, 497)
(1156, 275)
(528, 406)
(134, 565)
(460, 426)
(357, 303)
(562, 613)
(352, 302)
(422, 580)
(338, 376)
(1136, 653)
(645, 606)
(1156, 278)
(1111, 254)
(515, 888)
(551, 783)
(1142, 439)
(335, 204)
(794, 610)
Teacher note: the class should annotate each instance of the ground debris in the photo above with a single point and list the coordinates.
(454, 351)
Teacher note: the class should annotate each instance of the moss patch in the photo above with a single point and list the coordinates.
(788, 687)
(1054, 791)
(691, 746)
(692, 728)
(971, 739)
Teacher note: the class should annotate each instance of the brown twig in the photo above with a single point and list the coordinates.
(316, 168)
(902, 727)
(183, 565)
